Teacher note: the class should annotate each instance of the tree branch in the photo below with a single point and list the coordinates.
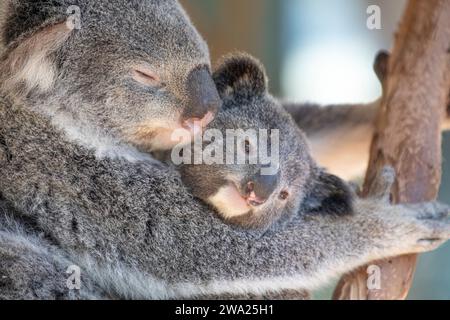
(408, 134)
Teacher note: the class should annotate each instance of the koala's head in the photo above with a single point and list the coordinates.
(134, 69)
(247, 193)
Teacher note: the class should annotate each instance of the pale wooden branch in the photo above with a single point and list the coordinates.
(408, 135)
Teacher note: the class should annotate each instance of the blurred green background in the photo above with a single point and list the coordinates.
(320, 51)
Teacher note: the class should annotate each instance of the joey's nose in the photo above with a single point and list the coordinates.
(260, 188)
(203, 98)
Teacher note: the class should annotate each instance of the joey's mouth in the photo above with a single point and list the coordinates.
(255, 201)
(250, 198)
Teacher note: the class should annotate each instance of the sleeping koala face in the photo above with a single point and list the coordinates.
(249, 194)
(136, 78)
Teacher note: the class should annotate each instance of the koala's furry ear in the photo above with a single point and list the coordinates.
(240, 75)
(27, 60)
(329, 195)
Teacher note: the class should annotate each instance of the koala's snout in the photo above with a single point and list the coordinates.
(203, 98)
(260, 187)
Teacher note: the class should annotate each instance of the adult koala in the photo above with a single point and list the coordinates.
(117, 77)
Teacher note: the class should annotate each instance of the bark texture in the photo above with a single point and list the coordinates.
(408, 135)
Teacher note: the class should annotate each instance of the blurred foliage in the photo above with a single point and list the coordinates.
(235, 25)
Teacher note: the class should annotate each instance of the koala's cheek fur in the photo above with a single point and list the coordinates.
(157, 134)
(150, 138)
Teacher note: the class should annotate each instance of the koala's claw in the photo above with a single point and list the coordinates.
(425, 245)
(417, 227)
(381, 188)
(435, 224)
(430, 210)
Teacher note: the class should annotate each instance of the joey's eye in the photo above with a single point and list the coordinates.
(145, 77)
(284, 195)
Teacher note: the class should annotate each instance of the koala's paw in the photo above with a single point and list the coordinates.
(404, 228)
(423, 226)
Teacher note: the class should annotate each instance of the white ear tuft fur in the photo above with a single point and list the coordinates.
(27, 61)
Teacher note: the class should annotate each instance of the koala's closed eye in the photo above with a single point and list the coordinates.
(146, 77)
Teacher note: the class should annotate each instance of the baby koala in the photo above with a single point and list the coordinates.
(282, 177)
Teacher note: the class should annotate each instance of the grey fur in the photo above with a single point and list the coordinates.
(31, 266)
(132, 226)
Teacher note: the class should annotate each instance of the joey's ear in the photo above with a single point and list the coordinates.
(240, 75)
(329, 195)
(27, 61)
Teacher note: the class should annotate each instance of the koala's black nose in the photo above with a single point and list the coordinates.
(260, 188)
(203, 97)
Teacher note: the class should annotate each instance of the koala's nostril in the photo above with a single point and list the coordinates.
(260, 188)
(284, 195)
(252, 198)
